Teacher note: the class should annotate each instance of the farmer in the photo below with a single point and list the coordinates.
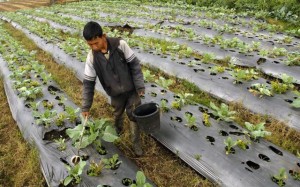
(120, 74)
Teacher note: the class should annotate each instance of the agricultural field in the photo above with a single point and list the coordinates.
(227, 84)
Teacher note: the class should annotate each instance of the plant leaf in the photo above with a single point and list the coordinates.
(110, 134)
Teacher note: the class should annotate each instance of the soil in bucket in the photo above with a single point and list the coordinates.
(147, 116)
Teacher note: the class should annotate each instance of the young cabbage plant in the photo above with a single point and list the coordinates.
(95, 131)
(95, 169)
(61, 144)
(148, 76)
(205, 118)
(113, 162)
(30, 93)
(217, 69)
(163, 106)
(229, 145)
(191, 121)
(223, 112)
(243, 144)
(260, 89)
(45, 118)
(45, 77)
(280, 177)
(278, 87)
(288, 80)
(243, 75)
(74, 173)
(256, 131)
(208, 57)
(72, 114)
(140, 180)
(165, 83)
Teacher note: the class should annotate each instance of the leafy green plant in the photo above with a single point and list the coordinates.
(191, 121)
(296, 102)
(95, 169)
(280, 177)
(113, 162)
(45, 118)
(293, 59)
(288, 80)
(256, 131)
(208, 57)
(34, 105)
(148, 76)
(47, 104)
(176, 104)
(99, 129)
(242, 144)
(243, 75)
(165, 83)
(60, 120)
(72, 113)
(61, 144)
(278, 87)
(206, 120)
(163, 106)
(223, 112)
(74, 173)
(45, 77)
(30, 93)
(217, 69)
(260, 89)
(229, 145)
(140, 180)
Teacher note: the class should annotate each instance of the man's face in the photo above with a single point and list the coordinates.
(98, 44)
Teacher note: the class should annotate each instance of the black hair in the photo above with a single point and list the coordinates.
(92, 30)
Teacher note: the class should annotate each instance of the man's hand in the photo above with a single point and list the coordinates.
(141, 93)
(85, 114)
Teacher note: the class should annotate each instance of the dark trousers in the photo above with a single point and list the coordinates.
(129, 101)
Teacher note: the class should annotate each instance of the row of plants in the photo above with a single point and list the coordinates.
(71, 46)
(22, 64)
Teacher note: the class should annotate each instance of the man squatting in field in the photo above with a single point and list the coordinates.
(120, 74)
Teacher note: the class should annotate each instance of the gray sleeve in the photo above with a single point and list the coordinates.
(89, 82)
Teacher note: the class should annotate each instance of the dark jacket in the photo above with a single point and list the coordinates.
(117, 74)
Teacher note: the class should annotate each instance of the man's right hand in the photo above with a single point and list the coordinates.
(85, 114)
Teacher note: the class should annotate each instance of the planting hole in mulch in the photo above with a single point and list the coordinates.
(252, 165)
(276, 62)
(189, 113)
(225, 78)
(194, 128)
(163, 91)
(203, 110)
(210, 139)
(153, 94)
(182, 63)
(196, 70)
(288, 100)
(153, 85)
(53, 89)
(64, 161)
(248, 169)
(298, 164)
(294, 173)
(127, 181)
(231, 151)
(54, 134)
(278, 182)
(261, 60)
(125, 28)
(233, 127)
(236, 133)
(213, 74)
(213, 116)
(264, 157)
(223, 133)
(276, 150)
(176, 118)
(166, 100)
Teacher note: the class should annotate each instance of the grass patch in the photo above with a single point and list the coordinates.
(160, 165)
(19, 162)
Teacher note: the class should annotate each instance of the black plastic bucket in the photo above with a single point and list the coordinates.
(147, 117)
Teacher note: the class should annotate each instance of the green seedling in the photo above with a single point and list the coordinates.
(45, 118)
(208, 57)
(260, 89)
(163, 106)
(72, 113)
(113, 162)
(60, 120)
(47, 104)
(95, 169)
(61, 144)
(206, 120)
(278, 87)
(74, 173)
(198, 157)
(148, 76)
(229, 145)
(217, 69)
(223, 112)
(256, 131)
(140, 180)
(242, 144)
(288, 80)
(165, 83)
(296, 102)
(34, 105)
(280, 177)
(191, 121)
